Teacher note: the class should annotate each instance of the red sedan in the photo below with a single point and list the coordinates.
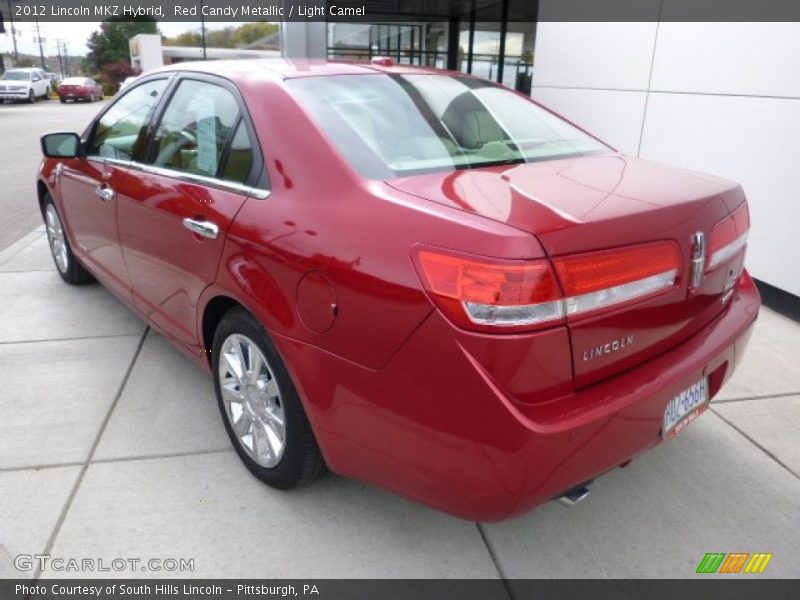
(79, 88)
(412, 277)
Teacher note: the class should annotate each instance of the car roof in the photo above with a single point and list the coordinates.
(284, 68)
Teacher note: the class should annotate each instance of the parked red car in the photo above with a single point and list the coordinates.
(416, 278)
(79, 88)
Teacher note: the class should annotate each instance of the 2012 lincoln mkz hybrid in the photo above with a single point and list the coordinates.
(412, 277)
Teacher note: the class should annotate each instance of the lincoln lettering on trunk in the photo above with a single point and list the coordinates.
(608, 347)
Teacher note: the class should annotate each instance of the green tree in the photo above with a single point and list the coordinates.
(228, 37)
(187, 38)
(110, 44)
(220, 38)
(250, 32)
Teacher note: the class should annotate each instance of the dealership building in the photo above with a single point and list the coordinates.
(717, 97)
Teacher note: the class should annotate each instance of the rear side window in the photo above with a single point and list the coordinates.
(240, 156)
(198, 126)
(120, 132)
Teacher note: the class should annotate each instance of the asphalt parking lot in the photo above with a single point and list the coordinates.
(111, 447)
(21, 125)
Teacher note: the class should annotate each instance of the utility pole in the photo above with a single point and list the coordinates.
(60, 64)
(203, 30)
(13, 31)
(39, 39)
(66, 60)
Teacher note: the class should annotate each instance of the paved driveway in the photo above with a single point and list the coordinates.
(111, 447)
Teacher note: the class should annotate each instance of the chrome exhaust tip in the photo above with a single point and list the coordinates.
(576, 495)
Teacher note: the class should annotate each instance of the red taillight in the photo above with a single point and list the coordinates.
(596, 280)
(728, 237)
(485, 292)
(482, 293)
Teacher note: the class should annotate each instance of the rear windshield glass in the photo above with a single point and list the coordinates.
(394, 125)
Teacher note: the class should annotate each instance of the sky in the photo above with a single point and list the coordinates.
(76, 34)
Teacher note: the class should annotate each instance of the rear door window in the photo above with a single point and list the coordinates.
(198, 126)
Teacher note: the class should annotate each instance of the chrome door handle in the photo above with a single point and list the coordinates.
(204, 228)
(105, 192)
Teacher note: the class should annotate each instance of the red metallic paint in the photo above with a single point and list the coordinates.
(483, 426)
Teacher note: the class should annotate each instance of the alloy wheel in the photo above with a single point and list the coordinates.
(252, 400)
(55, 235)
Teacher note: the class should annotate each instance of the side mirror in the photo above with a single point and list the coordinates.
(61, 145)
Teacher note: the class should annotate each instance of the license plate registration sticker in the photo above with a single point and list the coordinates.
(685, 408)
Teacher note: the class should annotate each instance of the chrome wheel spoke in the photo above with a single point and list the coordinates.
(261, 445)
(254, 364)
(274, 439)
(275, 415)
(241, 427)
(252, 399)
(270, 390)
(55, 236)
(234, 365)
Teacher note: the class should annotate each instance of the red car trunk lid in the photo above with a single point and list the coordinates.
(581, 205)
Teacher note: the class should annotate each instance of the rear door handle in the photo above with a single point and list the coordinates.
(105, 192)
(204, 228)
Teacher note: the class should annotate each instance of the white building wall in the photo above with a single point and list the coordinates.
(722, 98)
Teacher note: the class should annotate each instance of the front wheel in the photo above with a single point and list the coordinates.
(260, 407)
(67, 264)
(31, 97)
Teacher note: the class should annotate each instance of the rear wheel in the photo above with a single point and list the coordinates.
(260, 406)
(63, 100)
(67, 264)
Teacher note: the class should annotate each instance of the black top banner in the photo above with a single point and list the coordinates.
(234, 11)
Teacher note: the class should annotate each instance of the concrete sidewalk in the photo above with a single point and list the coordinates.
(111, 447)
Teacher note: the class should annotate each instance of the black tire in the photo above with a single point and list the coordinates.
(74, 273)
(31, 97)
(301, 461)
(63, 100)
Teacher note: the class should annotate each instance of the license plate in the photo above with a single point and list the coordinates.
(685, 408)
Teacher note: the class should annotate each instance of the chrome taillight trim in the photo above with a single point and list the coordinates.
(727, 252)
(532, 314)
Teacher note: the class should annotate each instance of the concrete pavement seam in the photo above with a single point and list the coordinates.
(498, 567)
(101, 461)
(71, 339)
(764, 397)
(79, 479)
(756, 444)
(115, 460)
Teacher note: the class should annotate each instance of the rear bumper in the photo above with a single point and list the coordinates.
(434, 426)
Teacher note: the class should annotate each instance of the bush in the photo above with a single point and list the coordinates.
(111, 76)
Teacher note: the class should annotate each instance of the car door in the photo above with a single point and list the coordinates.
(203, 160)
(39, 84)
(89, 185)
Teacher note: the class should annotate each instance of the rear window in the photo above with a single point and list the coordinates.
(395, 125)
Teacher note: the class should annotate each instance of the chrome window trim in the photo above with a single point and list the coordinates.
(220, 184)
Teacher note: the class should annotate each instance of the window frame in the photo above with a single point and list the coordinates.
(256, 185)
(88, 134)
(257, 180)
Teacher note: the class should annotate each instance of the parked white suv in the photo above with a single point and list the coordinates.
(24, 84)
